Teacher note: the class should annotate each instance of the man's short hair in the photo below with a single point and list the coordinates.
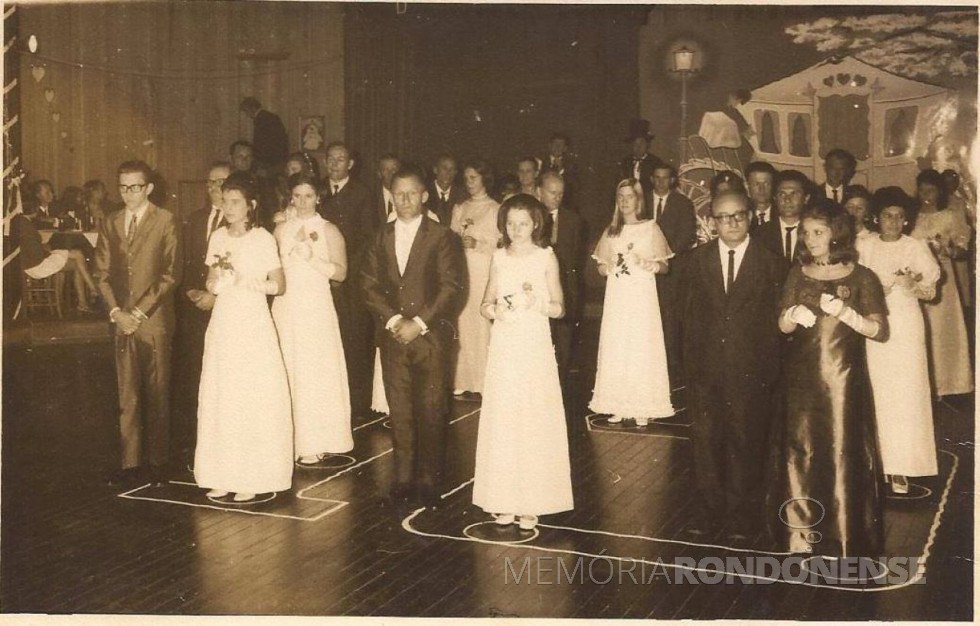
(528, 158)
(731, 195)
(839, 153)
(337, 144)
(794, 176)
(249, 104)
(388, 156)
(549, 175)
(760, 167)
(136, 166)
(561, 136)
(240, 142)
(663, 165)
(445, 156)
(409, 170)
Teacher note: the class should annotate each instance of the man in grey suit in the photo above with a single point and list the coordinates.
(137, 262)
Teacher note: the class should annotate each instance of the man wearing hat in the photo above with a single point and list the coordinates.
(640, 163)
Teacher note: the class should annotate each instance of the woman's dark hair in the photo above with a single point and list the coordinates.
(895, 196)
(246, 184)
(534, 208)
(841, 225)
(934, 178)
(616, 224)
(310, 166)
(304, 178)
(859, 191)
(727, 177)
(484, 170)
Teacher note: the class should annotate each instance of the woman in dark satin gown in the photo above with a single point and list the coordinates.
(824, 497)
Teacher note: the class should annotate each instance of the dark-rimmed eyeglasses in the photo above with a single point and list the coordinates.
(138, 187)
(216, 182)
(732, 219)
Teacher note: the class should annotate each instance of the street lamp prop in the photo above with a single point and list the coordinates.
(683, 65)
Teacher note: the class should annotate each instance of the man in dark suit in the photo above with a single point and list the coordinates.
(839, 167)
(138, 263)
(759, 179)
(561, 161)
(640, 163)
(674, 214)
(351, 206)
(411, 279)
(445, 192)
(730, 295)
(566, 231)
(269, 137)
(44, 213)
(194, 304)
(388, 164)
(782, 235)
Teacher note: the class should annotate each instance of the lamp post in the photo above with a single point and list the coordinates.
(683, 65)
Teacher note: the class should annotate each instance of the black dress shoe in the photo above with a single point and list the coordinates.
(123, 477)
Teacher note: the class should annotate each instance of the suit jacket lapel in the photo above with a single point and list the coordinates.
(143, 228)
(389, 247)
(745, 279)
(713, 274)
(119, 223)
(415, 251)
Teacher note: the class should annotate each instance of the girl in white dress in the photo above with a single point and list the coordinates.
(522, 465)
(312, 253)
(244, 425)
(475, 221)
(631, 375)
(898, 367)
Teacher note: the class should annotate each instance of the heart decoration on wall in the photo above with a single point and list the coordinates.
(49, 94)
(37, 72)
(56, 116)
(860, 80)
(843, 78)
(829, 81)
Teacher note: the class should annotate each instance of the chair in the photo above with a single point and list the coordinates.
(44, 293)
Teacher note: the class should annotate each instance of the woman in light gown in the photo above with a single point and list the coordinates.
(898, 367)
(522, 466)
(948, 235)
(631, 376)
(475, 221)
(244, 423)
(312, 253)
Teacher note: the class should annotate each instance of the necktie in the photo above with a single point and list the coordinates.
(336, 189)
(660, 208)
(131, 233)
(789, 241)
(445, 197)
(214, 223)
(554, 227)
(731, 272)
(761, 218)
(390, 207)
(836, 199)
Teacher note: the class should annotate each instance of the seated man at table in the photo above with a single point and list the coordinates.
(38, 262)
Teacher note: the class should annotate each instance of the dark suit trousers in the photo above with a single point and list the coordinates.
(357, 335)
(415, 384)
(143, 376)
(667, 290)
(731, 426)
(188, 350)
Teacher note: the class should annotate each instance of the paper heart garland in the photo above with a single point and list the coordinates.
(829, 81)
(843, 78)
(49, 94)
(56, 117)
(37, 72)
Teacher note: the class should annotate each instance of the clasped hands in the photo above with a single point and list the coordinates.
(126, 322)
(803, 316)
(405, 331)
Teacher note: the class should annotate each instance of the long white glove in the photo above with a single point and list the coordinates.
(801, 315)
(268, 287)
(222, 283)
(836, 307)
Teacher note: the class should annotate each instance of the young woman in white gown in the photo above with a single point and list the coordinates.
(522, 465)
(312, 253)
(898, 367)
(631, 369)
(244, 425)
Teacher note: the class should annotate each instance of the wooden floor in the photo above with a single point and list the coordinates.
(72, 545)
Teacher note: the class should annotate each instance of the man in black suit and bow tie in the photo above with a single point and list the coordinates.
(566, 231)
(730, 294)
(561, 161)
(782, 235)
(351, 206)
(640, 163)
(759, 179)
(194, 304)
(411, 279)
(674, 214)
(445, 192)
(138, 264)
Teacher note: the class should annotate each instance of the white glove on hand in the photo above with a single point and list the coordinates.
(264, 286)
(802, 315)
(223, 282)
(861, 324)
(831, 305)
(303, 251)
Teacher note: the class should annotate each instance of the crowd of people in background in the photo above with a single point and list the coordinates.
(811, 329)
